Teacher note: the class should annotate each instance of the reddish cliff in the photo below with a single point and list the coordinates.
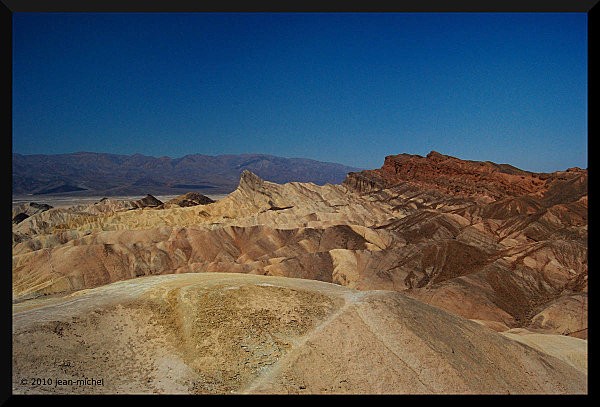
(464, 178)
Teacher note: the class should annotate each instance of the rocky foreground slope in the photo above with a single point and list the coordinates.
(504, 248)
(232, 333)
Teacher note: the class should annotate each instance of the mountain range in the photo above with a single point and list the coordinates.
(101, 174)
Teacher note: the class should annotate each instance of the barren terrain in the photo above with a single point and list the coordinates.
(495, 251)
(233, 333)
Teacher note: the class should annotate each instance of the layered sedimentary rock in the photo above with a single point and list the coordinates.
(488, 242)
(436, 275)
(221, 333)
(475, 179)
(254, 202)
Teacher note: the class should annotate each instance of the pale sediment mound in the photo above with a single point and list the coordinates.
(566, 315)
(222, 333)
(568, 349)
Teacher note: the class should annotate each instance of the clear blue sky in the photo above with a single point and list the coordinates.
(342, 87)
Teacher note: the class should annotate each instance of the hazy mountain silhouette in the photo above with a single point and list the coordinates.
(87, 173)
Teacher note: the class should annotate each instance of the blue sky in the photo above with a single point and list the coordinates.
(339, 87)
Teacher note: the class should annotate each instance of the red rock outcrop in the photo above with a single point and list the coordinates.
(475, 179)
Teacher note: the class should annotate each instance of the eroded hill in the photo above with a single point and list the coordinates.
(233, 333)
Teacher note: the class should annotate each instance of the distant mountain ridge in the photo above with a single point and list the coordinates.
(87, 173)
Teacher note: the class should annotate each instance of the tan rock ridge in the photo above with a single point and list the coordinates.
(254, 202)
(218, 333)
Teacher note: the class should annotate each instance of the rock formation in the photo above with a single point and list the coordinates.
(23, 211)
(504, 260)
(188, 199)
(502, 247)
(474, 179)
(148, 201)
(498, 243)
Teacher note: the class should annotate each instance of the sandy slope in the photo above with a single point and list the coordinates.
(224, 333)
(569, 349)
